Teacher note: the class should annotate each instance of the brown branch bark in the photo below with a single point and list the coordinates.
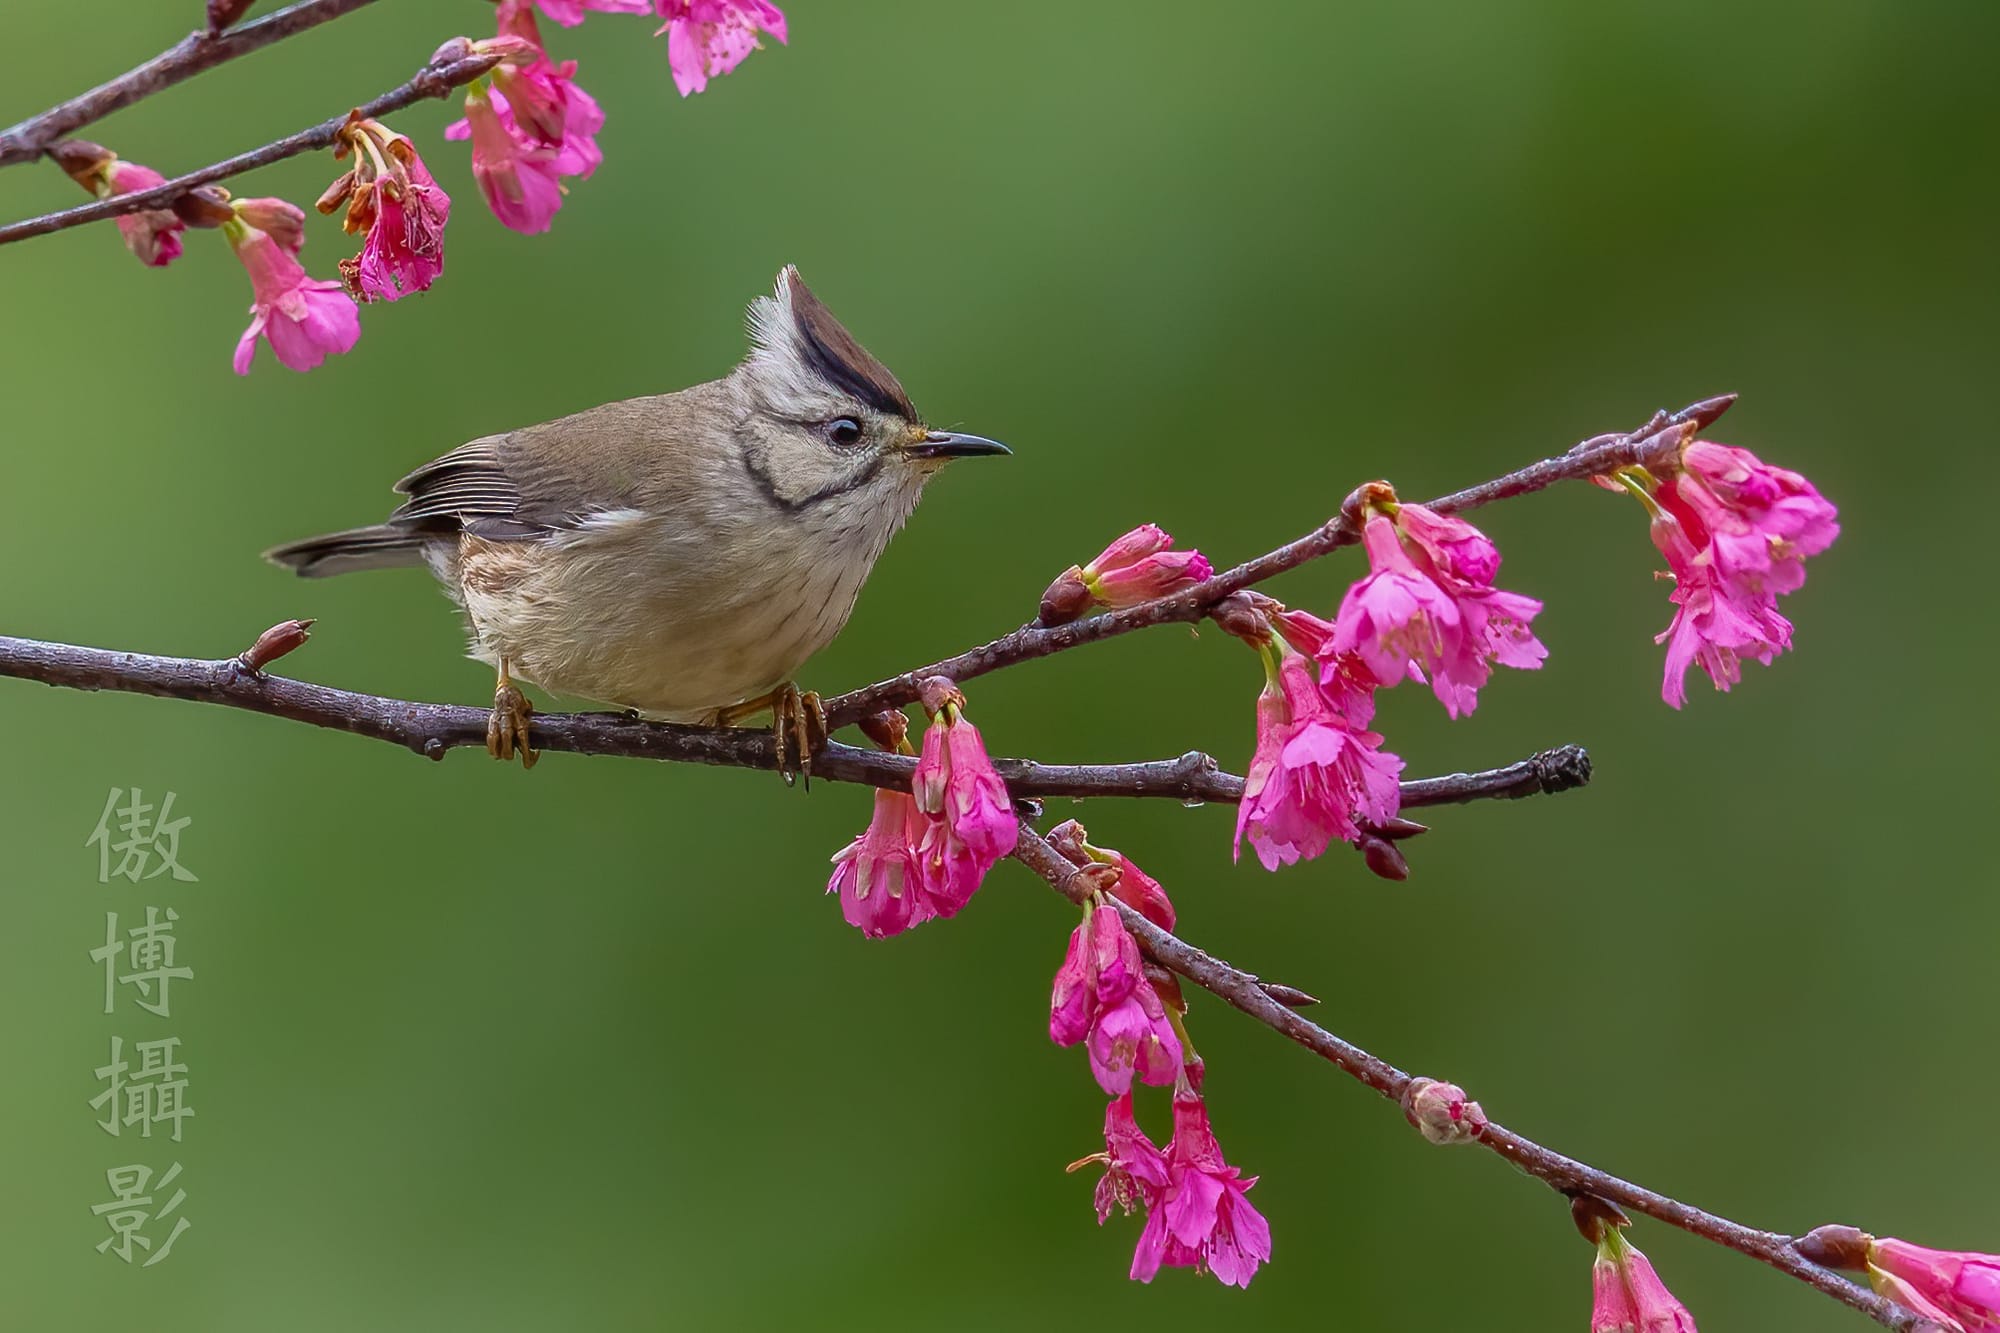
(1658, 438)
(200, 50)
(433, 730)
(1244, 991)
(435, 80)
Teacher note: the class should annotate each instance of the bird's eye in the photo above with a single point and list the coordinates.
(844, 431)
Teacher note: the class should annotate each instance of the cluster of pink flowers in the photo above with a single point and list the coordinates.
(1197, 1215)
(530, 126)
(1735, 532)
(927, 850)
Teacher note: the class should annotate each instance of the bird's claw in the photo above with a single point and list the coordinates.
(507, 728)
(798, 729)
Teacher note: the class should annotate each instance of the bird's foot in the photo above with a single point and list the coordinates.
(507, 729)
(798, 727)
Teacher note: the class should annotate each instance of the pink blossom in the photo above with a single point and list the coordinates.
(1428, 608)
(708, 38)
(517, 176)
(1135, 1172)
(154, 234)
(1139, 567)
(1718, 621)
(569, 13)
(303, 319)
(1203, 1221)
(540, 102)
(1101, 996)
(404, 249)
(876, 874)
(972, 822)
(1345, 679)
(1628, 1296)
(1958, 1288)
(1314, 772)
(1759, 522)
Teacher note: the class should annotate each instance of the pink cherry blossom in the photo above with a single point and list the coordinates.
(1315, 771)
(972, 821)
(1203, 1221)
(1958, 1288)
(1628, 1296)
(1101, 997)
(1428, 608)
(1717, 621)
(153, 235)
(1760, 522)
(303, 319)
(540, 102)
(708, 38)
(517, 176)
(404, 249)
(569, 13)
(876, 874)
(1135, 1171)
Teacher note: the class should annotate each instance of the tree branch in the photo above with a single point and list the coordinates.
(198, 51)
(1657, 439)
(1563, 1174)
(436, 80)
(433, 730)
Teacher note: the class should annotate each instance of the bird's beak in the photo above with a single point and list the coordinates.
(946, 444)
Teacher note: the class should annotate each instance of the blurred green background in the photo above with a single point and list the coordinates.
(585, 1048)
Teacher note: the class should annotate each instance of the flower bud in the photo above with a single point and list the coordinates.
(204, 206)
(1382, 857)
(1836, 1247)
(1442, 1113)
(274, 643)
(83, 160)
(282, 222)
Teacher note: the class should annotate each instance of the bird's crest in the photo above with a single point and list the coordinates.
(792, 327)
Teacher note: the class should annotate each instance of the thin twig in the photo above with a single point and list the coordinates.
(1564, 1174)
(198, 51)
(1595, 457)
(434, 730)
(432, 81)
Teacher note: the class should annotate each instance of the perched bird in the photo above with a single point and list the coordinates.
(679, 555)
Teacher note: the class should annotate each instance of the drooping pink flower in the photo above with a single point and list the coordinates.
(1345, 679)
(404, 211)
(1314, 773)
(569, 13)
(1428, 608)
(1101, 996)
(517, 176)
(154, 234)
(1717, 622)
(708, 38)
(876, 874)
(1627, 1296)
(1203, 1221)
(1958, 1288)
(1141, 892)
(539, 101)
(1759, 522)
(972, 822)
(303, 319)
(1135, 1172)
(1140, 566)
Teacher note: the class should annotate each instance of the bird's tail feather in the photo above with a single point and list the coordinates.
(378, 547)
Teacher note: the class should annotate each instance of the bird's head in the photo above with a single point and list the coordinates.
(828, 429)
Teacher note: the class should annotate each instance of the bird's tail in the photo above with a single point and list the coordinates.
(383, 546)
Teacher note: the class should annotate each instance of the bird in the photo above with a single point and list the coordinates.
(677, 556)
